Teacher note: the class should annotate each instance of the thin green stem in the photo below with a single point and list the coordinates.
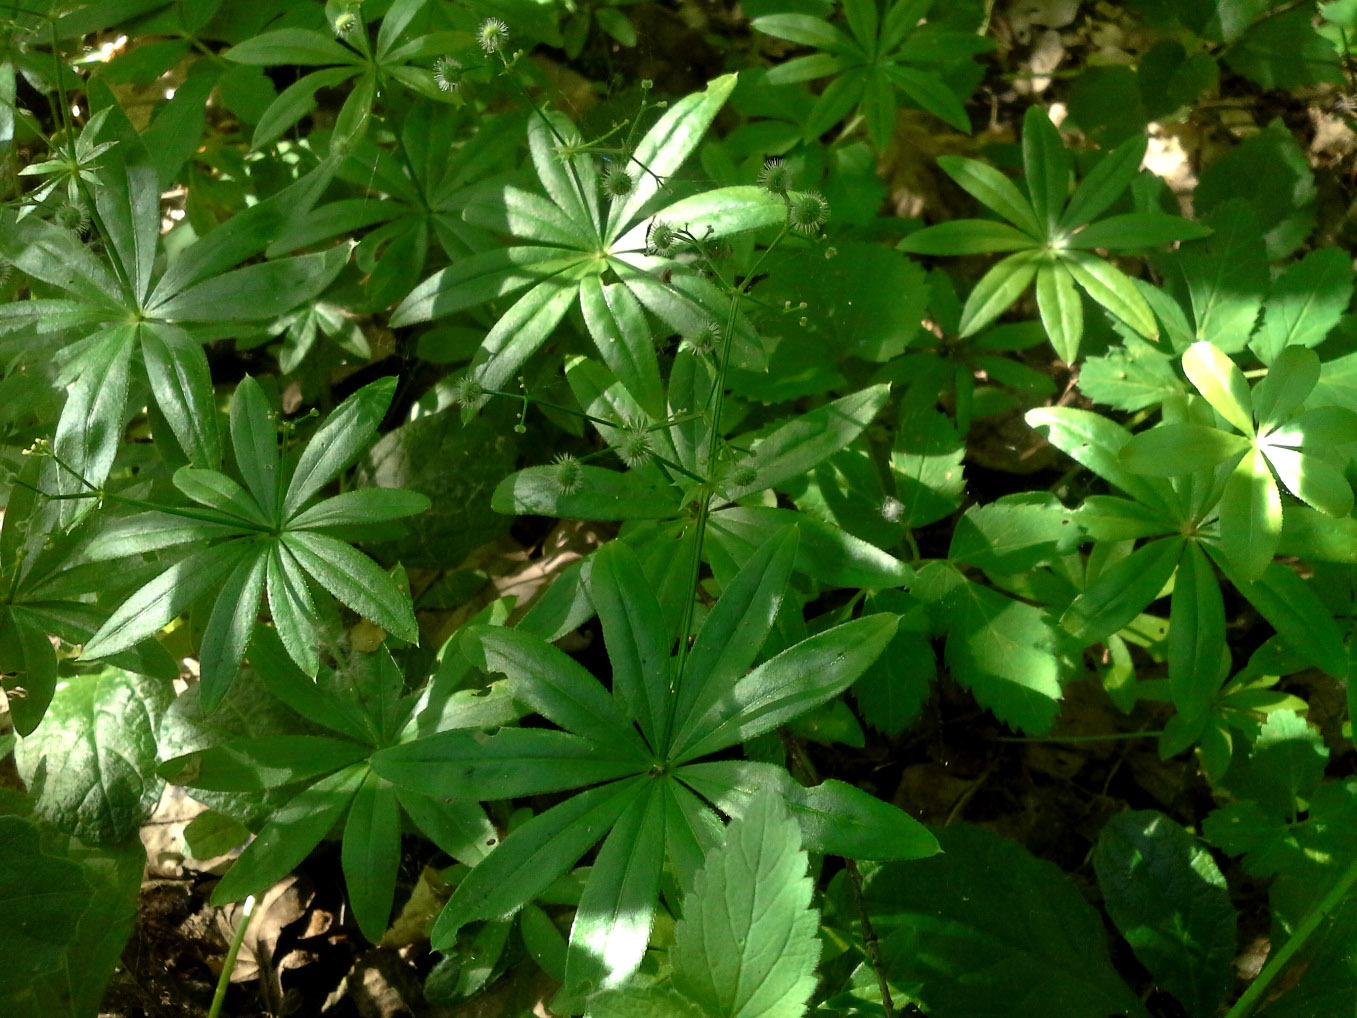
(1295, 942)
(229, 966)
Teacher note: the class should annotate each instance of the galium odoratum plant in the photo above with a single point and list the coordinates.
(1053, 235)
(641, 746)
(268, 538)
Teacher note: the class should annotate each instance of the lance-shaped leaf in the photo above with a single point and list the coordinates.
(1251, 516)
(229, 626)
(355, 581)
(666, 146)
(998, 288)
(370, 854)
(157, 604)
(746, 945)
(290, 835)
(800, 444)
(1311, 479)
(1221, 383)
(616, 320)
(1062, 310)
(337, 443)
(1096, 442)
(1196, 642)
(512, 762)
(255, 441)
(784, 687)
(179, 376)
(612, 924)
(736, 626)
(1122, 592)
(596, 494)
(1174, 449)
(991, 188)
(521, 330)
(637, 638)
(526, 863)
(1114, 290)
(553, 684)
(262, 761)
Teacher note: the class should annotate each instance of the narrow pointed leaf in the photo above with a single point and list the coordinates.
(290, 835)
(612, 924)
(737, 625)
(217, 491)
(1250, 516)
(1096, 442)
(346, 432)
(259, 762)
(229, 626)
(1221, 383)
(617, 322)
(355, 580)
(362, 505)
(521, 330)
(1290, 379)
(998, 289)
(1122, 592)
(255, 441)
(292, 609)
(1174, 449)
(1314, 481)
(1104, 184)
(1137, 230)
(967, 237)
(370, 854)
(1114, 290)
(526, 863)
(1196, 641)
(1046, 163)
(1062, 312)
(637, 638)
(182, 384)
(159, 602)
(553, 684)
(992, 189)
(260, 291)
(787, 686)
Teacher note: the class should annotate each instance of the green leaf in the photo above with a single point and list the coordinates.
(1196, 641)
(667, 145)
(803, 29)
(1284, 51)
(1250, 516)
(1222, 384)
(988, 898)
(835, 818)
(217, 491)
(746, 945)
(355, 581)
(1062, 312)
(128, 203)
(1006, 652)
(530, 859)
(637, 638)
(461, 829)
(1304, 303)
(255, 441)
(182, 384)
(635, 1001)
(1122, 592)
(91, 423)
(513, 762)
(1132, 376)
(229, 626)
(362, 505)
(926, 464)
(43, 897)
(30, 665)
(1312, 480)
(478, 278)
(349, 429)
(1291, 377)
(616, 320)
(612, 924)
(1096, 442)
(260, 291)
(1293, 608)
(1113, 289)
(1226, 275)
(1137, 230)
(91, 762)
(993, 190)
(1285, 765)
(520, 331)
(291, 46)
(718, 213)
(292, 609)
(290, 835)
(254, 763)
(1171, 450)
(370, 854)
(800, 444)
(786, 686)
(932, 94)
(1046, 164)
(998, 288)
(1167, 896)
(736, 626)
(967, 237)
(159, 602)
(824, 553)
(551, 683)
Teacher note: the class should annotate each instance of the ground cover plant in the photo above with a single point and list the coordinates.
(678, 509)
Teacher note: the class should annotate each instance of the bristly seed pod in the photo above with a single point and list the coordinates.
(447, 74)
(808, 212)
(493, 35)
